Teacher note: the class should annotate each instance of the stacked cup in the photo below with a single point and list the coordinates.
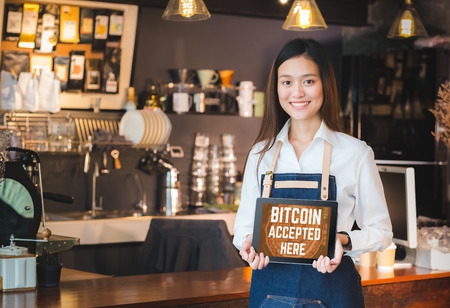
(213, 180)
(197, 195)
(228, 167)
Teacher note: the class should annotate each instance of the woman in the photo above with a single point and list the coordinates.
(302, 111)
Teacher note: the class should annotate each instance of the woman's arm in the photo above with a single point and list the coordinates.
(371, 212)
(243, 225)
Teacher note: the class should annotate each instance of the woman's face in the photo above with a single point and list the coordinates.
(300, 88)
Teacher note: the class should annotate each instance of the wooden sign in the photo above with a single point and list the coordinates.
(295, 231)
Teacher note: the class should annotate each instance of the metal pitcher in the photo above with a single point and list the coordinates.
(171, 194)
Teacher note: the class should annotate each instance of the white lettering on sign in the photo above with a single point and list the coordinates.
(293, 248)
(295, 226)
(295, 215)
(295, 233)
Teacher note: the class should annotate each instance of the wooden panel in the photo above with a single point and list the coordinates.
(420, 293)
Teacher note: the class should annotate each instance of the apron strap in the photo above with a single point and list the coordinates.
(325, 170)
(268, 177)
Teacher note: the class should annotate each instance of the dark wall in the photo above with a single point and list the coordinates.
(247, 45)
(63, 174)
(372, 39)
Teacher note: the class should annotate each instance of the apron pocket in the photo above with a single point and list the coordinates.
(284, 301)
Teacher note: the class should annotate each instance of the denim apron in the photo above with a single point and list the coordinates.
(301, 285)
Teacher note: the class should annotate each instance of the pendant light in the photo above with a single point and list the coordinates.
(304, 16)
(186, 10)
(407, 23)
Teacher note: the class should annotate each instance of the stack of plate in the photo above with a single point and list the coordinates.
(146, 128)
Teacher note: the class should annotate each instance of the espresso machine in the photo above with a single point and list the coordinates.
(157, 163)
(21, 214)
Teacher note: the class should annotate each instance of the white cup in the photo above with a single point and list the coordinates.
(182, 102)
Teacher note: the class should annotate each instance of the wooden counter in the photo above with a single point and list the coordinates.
(406, 287)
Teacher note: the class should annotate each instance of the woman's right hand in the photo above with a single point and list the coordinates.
(248, 254)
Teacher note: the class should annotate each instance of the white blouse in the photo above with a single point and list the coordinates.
(360, 194)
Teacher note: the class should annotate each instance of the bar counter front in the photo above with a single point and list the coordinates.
(403, 287)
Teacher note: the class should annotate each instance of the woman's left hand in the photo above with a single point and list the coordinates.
(325, 265)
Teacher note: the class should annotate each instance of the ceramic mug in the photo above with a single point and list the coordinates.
(182, 102)
(207, 77)
(245, 98)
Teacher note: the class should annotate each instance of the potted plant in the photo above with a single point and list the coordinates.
(48, 269)
(441, 112)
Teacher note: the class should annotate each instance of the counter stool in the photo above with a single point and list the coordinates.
(178, 245)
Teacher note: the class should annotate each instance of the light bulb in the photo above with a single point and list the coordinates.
(303, 14)
(283, 1)
(406, 24)
(186, 8)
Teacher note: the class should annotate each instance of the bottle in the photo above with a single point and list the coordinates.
(131, 103)
(153, 100)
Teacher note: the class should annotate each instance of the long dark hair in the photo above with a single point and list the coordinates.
(274, 116)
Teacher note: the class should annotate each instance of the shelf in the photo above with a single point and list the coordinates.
(84, 127)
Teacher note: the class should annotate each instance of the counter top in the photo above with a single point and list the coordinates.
(121, 230)
(222, 288)
(68, 274)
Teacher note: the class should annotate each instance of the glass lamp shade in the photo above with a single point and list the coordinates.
(186, 10)
(407, 23)
(304, 15)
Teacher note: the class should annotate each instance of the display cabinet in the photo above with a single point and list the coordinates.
(81, 99)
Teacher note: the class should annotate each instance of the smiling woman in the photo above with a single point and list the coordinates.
(301, 116)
